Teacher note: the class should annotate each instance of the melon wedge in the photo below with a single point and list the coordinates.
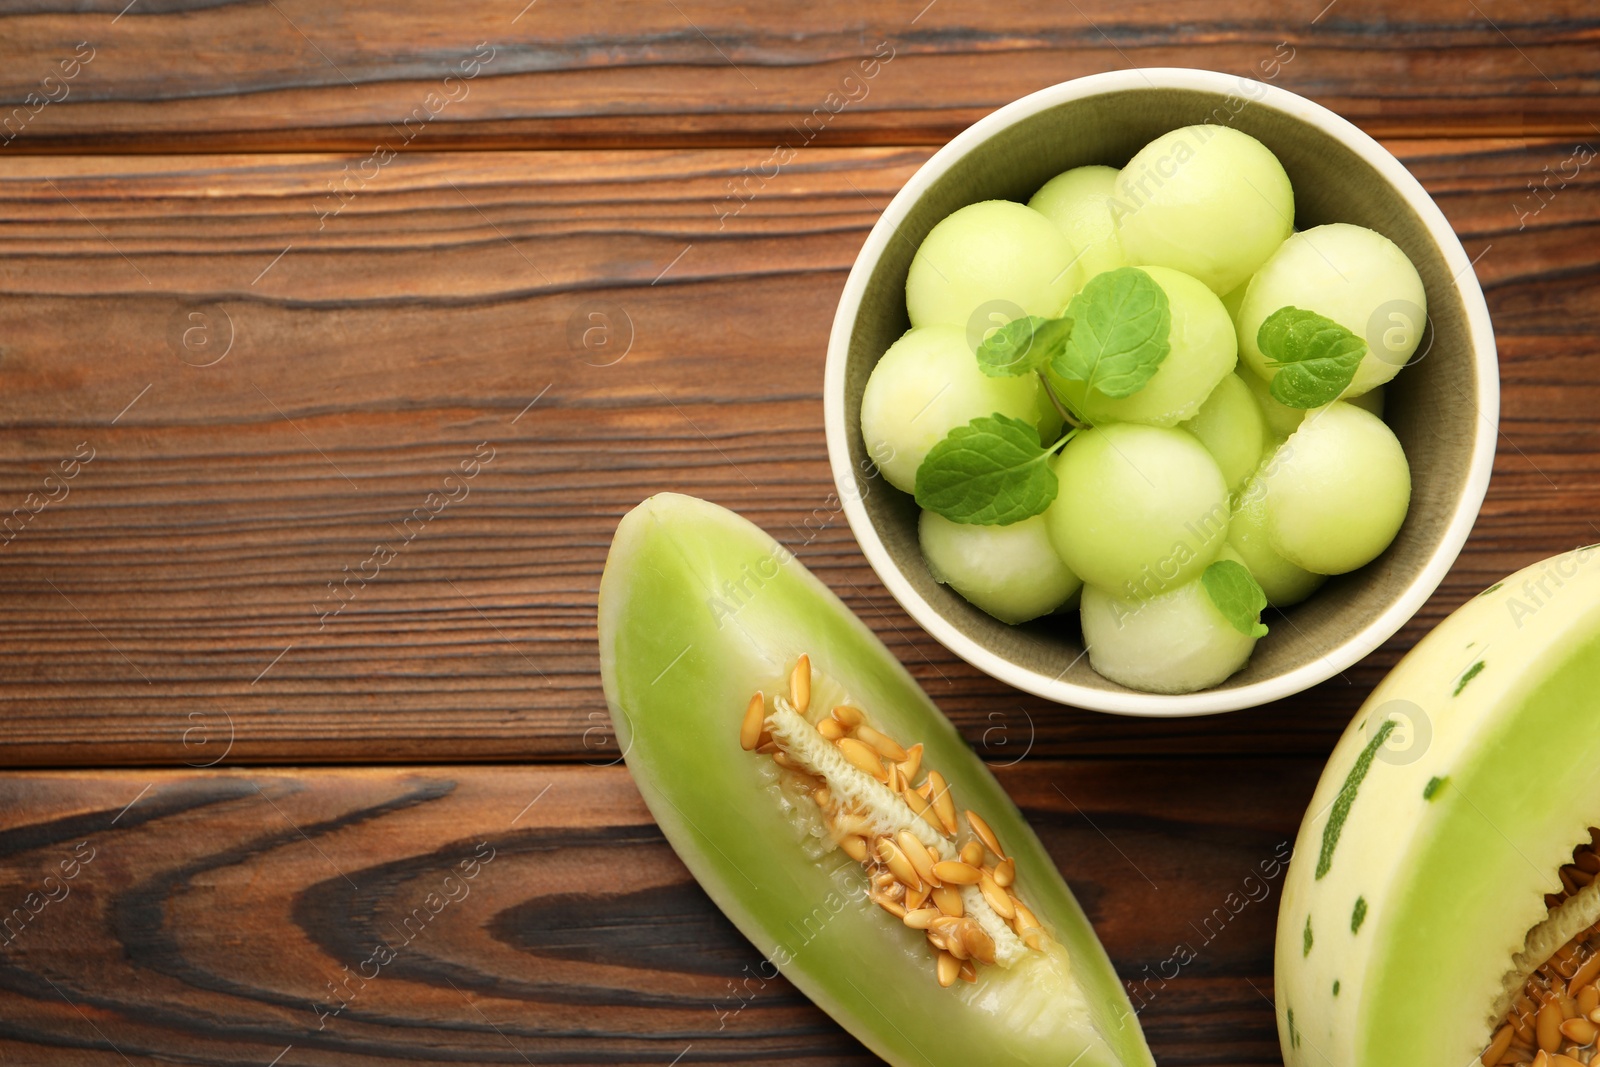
(699, 610)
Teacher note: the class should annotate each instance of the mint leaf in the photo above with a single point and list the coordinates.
(990, 472)
(1237, 595)
(1316, 357)
(1022, 346)
(1120, 327)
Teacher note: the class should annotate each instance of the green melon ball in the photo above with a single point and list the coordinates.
(1282, 420)
(1337, 491)
(1207, 200)
(1203, 352)
(926, 385)
(1177, 642)
(1352, 275)
(1140, 509)
(1079, 202)
(994, 254)
(1011, 572)
(1232, 428)
(1282, 581)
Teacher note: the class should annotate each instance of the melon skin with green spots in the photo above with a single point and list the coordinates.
(1445, 811)
(698, 609)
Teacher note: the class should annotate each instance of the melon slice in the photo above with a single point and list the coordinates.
(724, 661)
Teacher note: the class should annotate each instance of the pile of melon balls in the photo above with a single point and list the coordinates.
(1201, 464)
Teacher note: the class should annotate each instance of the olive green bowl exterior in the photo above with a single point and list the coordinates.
(1444, 406)
(1462, 784)
(698, 609)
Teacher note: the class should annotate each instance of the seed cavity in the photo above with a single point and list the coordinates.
(957, 889)
(1554, 1015)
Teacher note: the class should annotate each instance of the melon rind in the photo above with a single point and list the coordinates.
(1465, 812)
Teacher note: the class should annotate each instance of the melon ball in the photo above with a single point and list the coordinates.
(989, 256)
(1139, 509)
(1079, 202)
(1338, 490)
(1232, 428)
(1207, 200)
(1012, 572)
(1355, 276)
(926, 385)
(1177, 642)
(1282, 581)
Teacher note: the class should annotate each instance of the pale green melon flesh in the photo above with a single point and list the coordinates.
(1452, 836)
(698, 609)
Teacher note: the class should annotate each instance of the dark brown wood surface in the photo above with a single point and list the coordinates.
(231, 914)
(171, 75)
(175, 594)
(258, 358)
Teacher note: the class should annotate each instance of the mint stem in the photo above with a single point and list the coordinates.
(1069, 435)
(1062, 409)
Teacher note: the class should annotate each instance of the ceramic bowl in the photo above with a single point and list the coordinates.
(1443, 406)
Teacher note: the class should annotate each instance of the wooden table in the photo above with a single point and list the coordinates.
(269, 272)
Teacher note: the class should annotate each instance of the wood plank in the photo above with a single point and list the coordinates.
(167, 610)
(173, 77)
(213, 916)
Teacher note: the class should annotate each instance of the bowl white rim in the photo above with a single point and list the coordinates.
(1353, 648)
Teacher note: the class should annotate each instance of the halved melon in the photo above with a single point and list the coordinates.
(1440, 897)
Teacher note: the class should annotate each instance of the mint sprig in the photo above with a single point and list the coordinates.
(994, 470)
(1237, 595)
(1023, 346)
(990, 472)
(1316, 358)
(1121, 324)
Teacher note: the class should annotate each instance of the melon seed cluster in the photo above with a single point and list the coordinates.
(1556, 1018)
(958, 890)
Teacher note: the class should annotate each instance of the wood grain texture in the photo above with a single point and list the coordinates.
(212, 916)
(233, 381)
(177, 75)
(168, 608)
